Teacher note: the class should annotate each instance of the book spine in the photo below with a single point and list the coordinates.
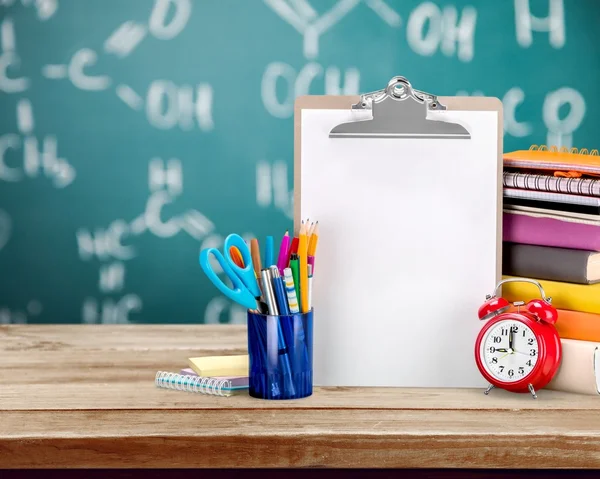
(579, 370)
(543, 262)
(574, 297)
(518, 228)
(578, 325)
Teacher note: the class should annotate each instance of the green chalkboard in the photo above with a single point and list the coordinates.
(135, 133)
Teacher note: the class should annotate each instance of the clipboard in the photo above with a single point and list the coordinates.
(407, 188)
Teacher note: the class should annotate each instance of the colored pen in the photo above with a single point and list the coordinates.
(290, 291)
(269, 252)
(284, 248)
(279, 289)
(268, 292)
(303, 254)
(295, 267)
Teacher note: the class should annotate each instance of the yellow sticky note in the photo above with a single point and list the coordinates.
(210, 366)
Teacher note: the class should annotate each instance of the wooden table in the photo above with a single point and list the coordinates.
(84, 396)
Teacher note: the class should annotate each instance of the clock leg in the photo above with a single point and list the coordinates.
(489, 388)
(532, 391)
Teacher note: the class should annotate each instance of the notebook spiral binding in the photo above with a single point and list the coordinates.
(564, 149)
(194, 384)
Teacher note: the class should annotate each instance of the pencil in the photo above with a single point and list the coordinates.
(303, 254)
(314, 239)
(255, 253)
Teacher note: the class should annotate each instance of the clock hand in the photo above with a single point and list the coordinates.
(519, 352)
(502, 350)
(510, 339)
(503, 356)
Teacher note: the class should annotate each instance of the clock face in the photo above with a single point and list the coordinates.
(509, 351)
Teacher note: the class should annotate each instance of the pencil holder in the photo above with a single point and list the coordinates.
(280, 352)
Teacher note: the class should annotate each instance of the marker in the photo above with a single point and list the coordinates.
(283, 258)
(295, 267)
(293, 249)
(290, 291)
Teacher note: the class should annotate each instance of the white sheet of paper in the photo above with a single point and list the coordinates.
(406, 253)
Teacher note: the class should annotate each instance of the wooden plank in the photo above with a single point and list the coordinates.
(142, 394)
(307, 438)
(83, 396)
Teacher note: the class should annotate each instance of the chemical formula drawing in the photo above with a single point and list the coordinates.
(135, 136)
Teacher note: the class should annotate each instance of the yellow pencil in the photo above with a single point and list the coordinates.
(314, 238)
(303, 253)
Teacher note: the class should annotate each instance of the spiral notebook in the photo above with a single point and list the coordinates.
(555, 159)
(198, 384)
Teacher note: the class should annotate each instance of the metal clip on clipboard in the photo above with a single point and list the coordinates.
(399, 111)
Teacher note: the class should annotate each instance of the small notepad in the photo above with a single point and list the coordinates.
(211, 366)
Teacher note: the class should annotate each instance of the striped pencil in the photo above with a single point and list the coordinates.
(290, 290)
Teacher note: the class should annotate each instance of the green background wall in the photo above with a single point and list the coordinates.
(134, 133)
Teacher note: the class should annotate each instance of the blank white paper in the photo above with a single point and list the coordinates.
(405, 256)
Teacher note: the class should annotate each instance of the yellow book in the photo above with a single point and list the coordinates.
(211, 366)
(571, 296)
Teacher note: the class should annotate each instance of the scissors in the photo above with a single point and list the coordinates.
(245, 289)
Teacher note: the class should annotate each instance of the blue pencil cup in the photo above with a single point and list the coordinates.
(280, 352)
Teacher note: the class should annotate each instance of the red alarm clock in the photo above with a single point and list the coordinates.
(518, 351)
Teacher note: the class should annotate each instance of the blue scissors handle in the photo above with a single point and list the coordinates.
(239, 293)
(246, 274)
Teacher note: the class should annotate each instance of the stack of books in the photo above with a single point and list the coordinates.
(551, 233)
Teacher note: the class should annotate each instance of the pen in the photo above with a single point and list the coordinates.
(295, 267)
(303, 254)
(283, 258)
(268, 292)
(269, 252)
(290, 290)
(279, 289)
